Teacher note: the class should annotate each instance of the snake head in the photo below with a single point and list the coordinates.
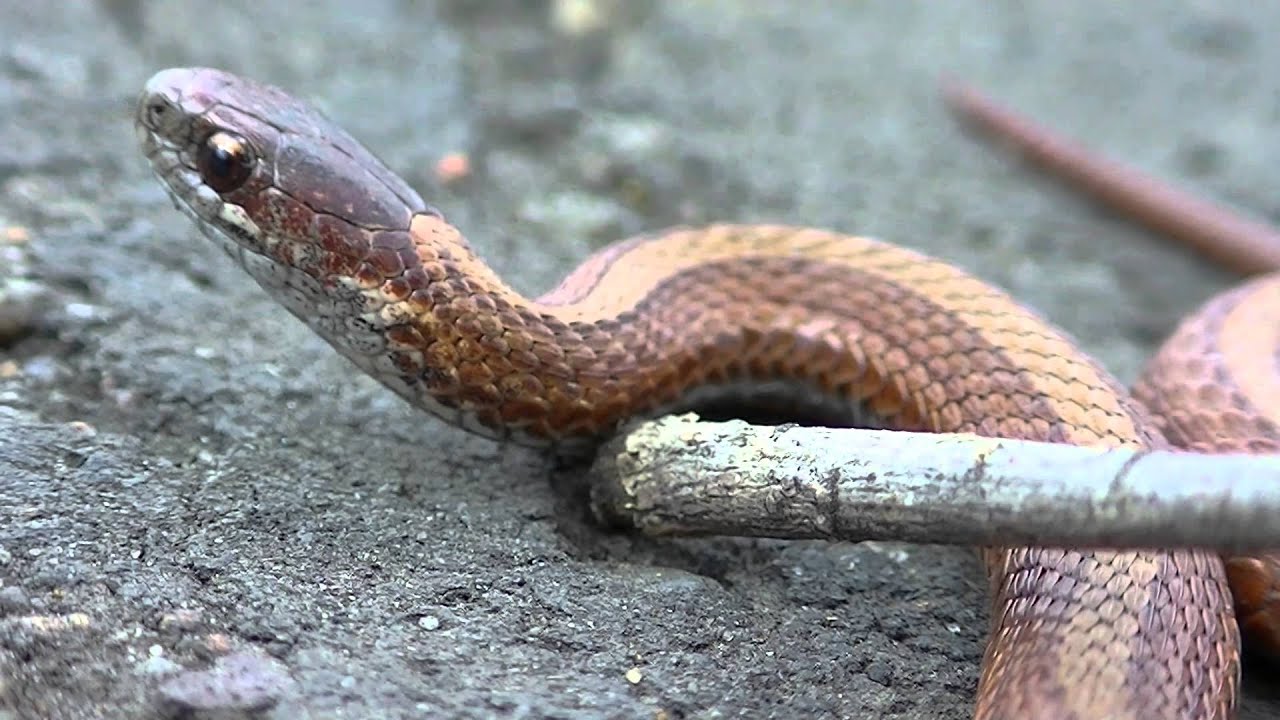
(319, 221)
(312, 215)
(264, 172)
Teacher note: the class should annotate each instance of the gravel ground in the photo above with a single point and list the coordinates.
(204, 507)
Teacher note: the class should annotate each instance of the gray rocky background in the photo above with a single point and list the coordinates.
(202, 506)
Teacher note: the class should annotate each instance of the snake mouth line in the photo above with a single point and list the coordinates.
(178, 176)
(239, 247)
(169, 163)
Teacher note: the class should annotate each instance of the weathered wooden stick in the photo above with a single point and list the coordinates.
(681, 476)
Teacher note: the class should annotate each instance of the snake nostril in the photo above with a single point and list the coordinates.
(155, 112)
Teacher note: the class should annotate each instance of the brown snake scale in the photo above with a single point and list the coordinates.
(882, 334)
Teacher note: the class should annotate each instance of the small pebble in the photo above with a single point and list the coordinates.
(218, 643)
(158, 665)
(42, 369)
(83, 429)
(182, 619)
(578, 17)
(452, 168)
(237, 683)
(881, 673)
(14, 599)
(82, 311)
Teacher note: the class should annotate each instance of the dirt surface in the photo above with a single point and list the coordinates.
(203, 506)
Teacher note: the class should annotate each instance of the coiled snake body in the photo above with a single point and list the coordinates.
(870, 332)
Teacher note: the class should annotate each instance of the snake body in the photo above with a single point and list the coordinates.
(864, 331)
(1214, 385)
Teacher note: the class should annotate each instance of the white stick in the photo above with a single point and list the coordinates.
(680, 476)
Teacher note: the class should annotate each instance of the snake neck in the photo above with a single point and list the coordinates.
(419, 311)
(847, 329)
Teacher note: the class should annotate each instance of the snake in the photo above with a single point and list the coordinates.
(864, 332)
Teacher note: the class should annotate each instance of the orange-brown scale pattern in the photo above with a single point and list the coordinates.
(920, 344)
(1191, 387)
(1214, 386)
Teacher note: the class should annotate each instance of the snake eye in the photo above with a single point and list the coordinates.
(225, 161)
